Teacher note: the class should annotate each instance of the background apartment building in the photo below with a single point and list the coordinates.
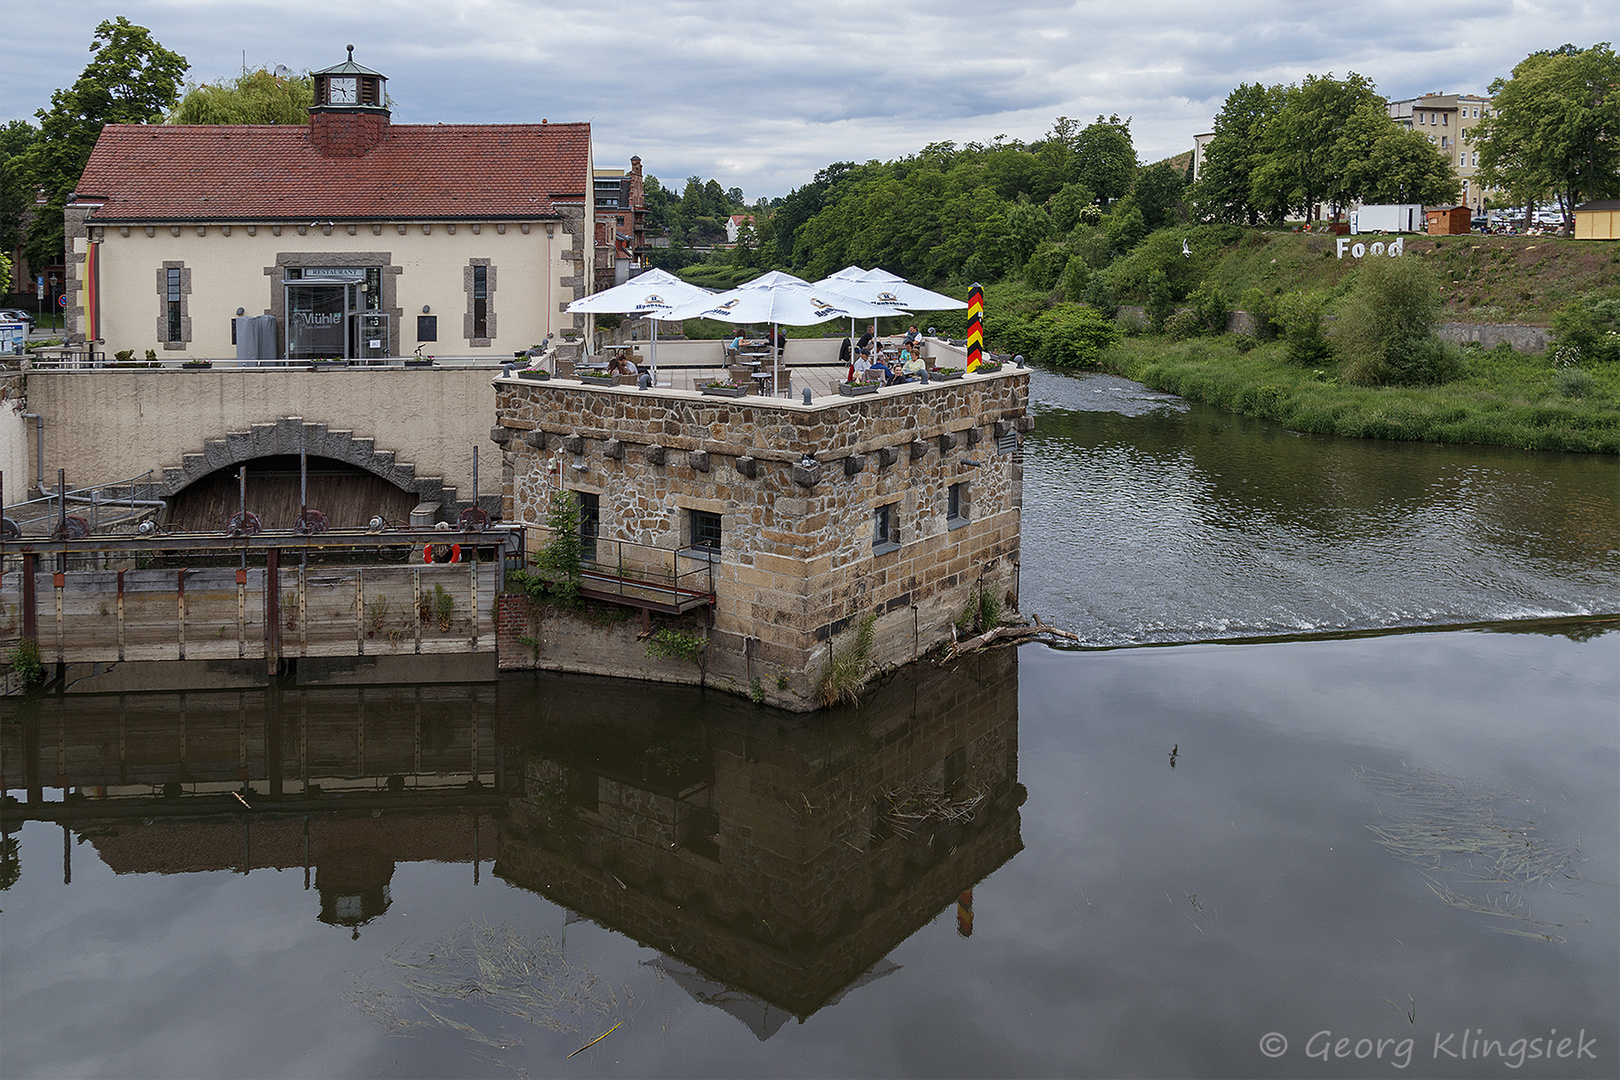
(1448, 120)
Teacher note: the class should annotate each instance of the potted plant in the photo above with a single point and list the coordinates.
(723, 389)
(596, 378)
(859, 387)
(945, 373)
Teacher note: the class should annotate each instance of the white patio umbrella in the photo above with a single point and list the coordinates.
(651, 296)
(781, 300)
(885, 290)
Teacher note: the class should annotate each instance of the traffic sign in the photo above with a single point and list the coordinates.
(61, 301)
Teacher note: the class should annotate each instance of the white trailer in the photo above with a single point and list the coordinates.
(1394, 218)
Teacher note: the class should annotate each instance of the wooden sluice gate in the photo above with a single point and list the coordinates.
(271, 598)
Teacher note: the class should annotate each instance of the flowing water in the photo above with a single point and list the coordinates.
(1359, 815)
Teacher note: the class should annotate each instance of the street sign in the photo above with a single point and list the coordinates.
(39, 287)
(61, 301)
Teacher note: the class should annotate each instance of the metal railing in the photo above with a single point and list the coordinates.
(673, 580)
(120, 505)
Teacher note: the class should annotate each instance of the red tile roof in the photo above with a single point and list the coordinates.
(257, 172)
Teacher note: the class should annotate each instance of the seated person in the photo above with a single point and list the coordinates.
(911, 337)
(911, 364)
(620, 365)
(882, 371)
(779, 339)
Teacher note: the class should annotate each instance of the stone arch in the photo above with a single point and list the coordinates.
(289, 435)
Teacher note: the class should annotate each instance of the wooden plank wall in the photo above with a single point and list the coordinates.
(218, 613)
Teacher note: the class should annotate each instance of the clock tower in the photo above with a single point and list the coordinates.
(350, 113)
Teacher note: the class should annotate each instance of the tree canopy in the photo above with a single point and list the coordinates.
(254, 97)
(131, 80)
(1554, 127)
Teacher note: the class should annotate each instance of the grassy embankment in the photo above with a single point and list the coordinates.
(1503, 398)
(1499, 396)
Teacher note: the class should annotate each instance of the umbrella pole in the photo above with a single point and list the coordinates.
(654, 350)
(776, 362)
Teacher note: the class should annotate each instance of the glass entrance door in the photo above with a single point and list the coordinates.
(317, 321)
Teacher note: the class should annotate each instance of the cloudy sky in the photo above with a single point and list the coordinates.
(760, 95)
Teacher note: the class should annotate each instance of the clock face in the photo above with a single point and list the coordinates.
(342, 92)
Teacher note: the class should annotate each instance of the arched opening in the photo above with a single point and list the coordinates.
(348, 495)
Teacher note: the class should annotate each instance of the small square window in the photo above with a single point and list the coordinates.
(427, 328)
(886, 529)
(956, 505)
(705, 532)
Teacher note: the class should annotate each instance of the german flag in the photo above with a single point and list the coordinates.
(92, 292)
(975, 334)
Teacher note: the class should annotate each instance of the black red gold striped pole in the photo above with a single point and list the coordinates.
(975, 334)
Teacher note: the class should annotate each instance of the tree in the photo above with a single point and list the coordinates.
(16, 183)
(1555, 127)
(1405, 167)
(1224, 191)
(1158, 195)
(1105, 160)
(1068, 204)
(1310, 140)
(254, 97)
(132, 80)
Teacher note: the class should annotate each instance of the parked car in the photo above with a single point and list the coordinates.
(12, 314)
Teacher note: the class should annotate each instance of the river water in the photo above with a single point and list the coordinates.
(1330, 786)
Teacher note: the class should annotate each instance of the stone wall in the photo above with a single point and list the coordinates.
(796, 488)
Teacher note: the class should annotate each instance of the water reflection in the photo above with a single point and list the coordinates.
(774, 861)
(774, 858)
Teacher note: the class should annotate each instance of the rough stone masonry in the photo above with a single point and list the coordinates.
(903, 504)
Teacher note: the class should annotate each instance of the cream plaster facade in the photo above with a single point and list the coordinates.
(537, 269)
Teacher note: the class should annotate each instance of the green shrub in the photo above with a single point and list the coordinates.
(1161, 303)
(671, 644)
(1076, 279)
(1300, 315)
(1587, 330)
(1212, 306)
(1385, 334)
(1574, 382)
(1183, 325)
(1045, 267)
(23, 658)
(1069, 335)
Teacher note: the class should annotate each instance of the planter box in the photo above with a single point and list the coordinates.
(939, 376)
(535, 376)
(857, 389)
(598, 380)
(418, 363)
(988, 369)
(196, 365)
(725, 391)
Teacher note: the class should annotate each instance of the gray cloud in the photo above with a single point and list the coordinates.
(761, 97)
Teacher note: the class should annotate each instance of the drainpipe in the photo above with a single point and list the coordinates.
(39, 439)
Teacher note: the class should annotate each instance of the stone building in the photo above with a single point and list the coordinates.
(785, 525)
(621, 224)
(360, 238)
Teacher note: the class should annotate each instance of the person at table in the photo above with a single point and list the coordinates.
(883, 371)
(911, 364)
(910, 340)
(620, 365)
(778, 339)
(863, 347)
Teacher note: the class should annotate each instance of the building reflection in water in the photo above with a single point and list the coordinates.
(343, 783)
(773, 861)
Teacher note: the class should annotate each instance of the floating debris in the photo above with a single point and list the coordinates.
(1458, 832)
